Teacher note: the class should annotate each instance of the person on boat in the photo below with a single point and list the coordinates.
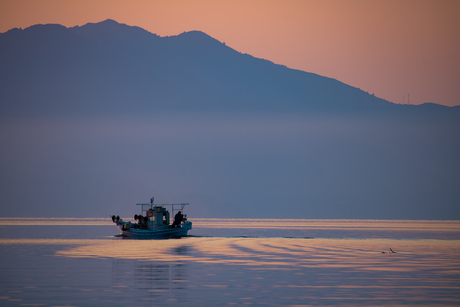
(177, 219)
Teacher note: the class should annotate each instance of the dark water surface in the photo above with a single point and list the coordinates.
(226, 262)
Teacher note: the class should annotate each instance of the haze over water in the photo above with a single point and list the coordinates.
(225, 262)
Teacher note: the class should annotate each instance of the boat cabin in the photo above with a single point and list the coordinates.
(155, 216)
(158, 217)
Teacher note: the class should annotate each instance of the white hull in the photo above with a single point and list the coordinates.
(167, 233)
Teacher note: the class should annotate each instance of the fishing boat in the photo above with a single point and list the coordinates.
(154, 222)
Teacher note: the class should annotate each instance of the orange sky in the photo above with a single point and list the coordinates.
(391, 48)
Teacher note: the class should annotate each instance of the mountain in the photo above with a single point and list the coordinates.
(97, 117)
(113, 68)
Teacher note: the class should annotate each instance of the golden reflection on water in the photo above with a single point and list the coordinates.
(270, 252)
(395, 225)
(328, 224)
(54, 221)
(281, 253)
(52, 241)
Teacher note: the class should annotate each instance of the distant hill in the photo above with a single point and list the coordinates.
(113, 68)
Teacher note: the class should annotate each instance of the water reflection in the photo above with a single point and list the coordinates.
(217, 270)
(304, 228)
(213, 223)
(282, 253)
(397, 225)
(155, 281)
(54, 221)
(391, 229)
(311, 268)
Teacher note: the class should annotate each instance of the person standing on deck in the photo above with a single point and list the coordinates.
(177, 219)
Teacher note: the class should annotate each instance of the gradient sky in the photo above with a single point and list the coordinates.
(389, 48)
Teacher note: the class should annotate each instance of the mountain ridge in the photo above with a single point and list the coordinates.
(130, 36)
(154, 69)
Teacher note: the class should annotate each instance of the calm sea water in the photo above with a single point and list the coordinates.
(226, 262)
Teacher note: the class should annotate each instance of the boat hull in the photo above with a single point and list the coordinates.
(167, 233)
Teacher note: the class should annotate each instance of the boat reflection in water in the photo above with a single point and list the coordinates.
(155, 281)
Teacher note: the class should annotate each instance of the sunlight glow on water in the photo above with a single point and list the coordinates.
(36, 221)
(328, 224)
(84, 266)
(281, 252)
(398, 225)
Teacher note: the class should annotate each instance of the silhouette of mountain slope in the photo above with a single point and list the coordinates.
(111, 67)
